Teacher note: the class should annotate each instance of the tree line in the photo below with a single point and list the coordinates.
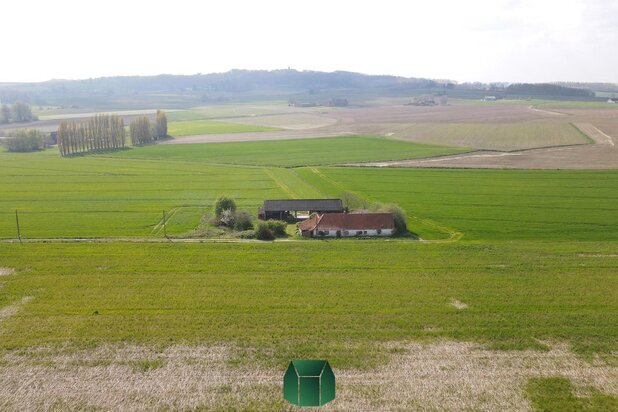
(98, 133)
(17, 112)
(143, 131)
(107, 132)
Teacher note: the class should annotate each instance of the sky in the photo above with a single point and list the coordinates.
(473, 40)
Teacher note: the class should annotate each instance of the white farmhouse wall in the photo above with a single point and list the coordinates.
(353, 233)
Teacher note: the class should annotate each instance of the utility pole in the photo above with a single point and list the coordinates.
(164, 224)
(17, 221)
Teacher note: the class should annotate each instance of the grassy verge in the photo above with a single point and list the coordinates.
(197, 127)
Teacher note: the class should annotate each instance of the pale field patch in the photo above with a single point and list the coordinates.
(457, 304)
(10, 310)
(292, 121)
(439, 376)
(6, 271)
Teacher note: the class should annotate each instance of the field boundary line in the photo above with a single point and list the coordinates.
(454, 234)
(279, 183)
(168, 216)
(532, 107)
(582, 126)
(293, 170)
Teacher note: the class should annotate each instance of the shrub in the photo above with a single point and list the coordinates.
(227, 218)
(224, 203)
(243, 221)
(277, 227)
(263, 232)
(246, 234)
(401, 221)
(25, 140)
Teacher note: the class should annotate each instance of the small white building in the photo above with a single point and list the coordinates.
(348, 225)
(611, 101)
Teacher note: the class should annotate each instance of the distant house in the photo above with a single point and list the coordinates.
(611, 101)
(490, 98)
(348, 225)
(294, 209)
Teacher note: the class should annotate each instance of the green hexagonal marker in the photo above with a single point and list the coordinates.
(309, 383)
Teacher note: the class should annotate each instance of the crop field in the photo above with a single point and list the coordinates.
(486, 204)
(292, 152)
(197, 127)
(496, 136)
(224, 111)
(508, 301)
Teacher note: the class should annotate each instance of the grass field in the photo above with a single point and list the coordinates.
(495, 136)
(293, 297)
(485, 204)
(197, 127)
(292, 152)
(118, 197)
(511, 305)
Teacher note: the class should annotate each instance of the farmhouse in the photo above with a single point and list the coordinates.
(348, 224)
(293, 209)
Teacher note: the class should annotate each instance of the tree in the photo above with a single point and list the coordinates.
(101, 132)
(26, 140)
(224, 203)
(5, 114)
(160, 125)
(141, 131)
(21, 112)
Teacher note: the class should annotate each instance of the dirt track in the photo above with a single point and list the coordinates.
(593, 156)
(256, 136)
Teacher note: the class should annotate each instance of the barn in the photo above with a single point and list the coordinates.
(294, 209)
(348, 225)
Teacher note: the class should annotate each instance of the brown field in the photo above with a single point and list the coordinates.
(532, 136)
(445, 375)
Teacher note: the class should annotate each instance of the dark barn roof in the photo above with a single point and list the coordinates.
(287, 205)
(349, 221)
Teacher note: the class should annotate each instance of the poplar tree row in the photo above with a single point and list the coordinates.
(143, 131)
(101, 132)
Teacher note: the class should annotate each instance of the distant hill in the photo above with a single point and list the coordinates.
(546, 89)
(247, 82)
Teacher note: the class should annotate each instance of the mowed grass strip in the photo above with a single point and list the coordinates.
(321, 299)
(320, 151)
(197, 127)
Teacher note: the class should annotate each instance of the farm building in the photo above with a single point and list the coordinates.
(293, 209)
(348, 224)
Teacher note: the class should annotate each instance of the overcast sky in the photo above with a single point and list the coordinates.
(473, 40)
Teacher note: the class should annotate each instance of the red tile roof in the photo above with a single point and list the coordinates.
(348, 221)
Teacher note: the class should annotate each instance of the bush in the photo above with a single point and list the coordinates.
(263, 232)
(227, 218)
(277, 227)
(246, 234)
(243, 221)
(224, 203)
(26, 140)
(401, 221)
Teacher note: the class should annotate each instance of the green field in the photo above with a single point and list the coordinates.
(292, 152)
(521, 261)
(197, 127)
(125, 197)
(294, 297)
